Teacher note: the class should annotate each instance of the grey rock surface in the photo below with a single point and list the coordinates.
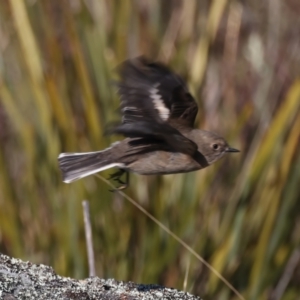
(24, 280)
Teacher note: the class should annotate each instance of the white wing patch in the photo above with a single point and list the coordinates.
(163, 111)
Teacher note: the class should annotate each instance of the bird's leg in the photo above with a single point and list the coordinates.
(117, 177)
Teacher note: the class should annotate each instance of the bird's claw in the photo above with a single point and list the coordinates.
(116, 177)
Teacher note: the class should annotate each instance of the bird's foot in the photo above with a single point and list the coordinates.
(117, 177)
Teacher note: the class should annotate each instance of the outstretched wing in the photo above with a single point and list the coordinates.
(153, 99)
(150, 91)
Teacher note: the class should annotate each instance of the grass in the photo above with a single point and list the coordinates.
(57, 59)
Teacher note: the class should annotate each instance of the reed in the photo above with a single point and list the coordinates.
(57, 61)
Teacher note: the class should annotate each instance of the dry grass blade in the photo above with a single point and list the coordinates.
(57, 59)
(88, 237)
(176, 237)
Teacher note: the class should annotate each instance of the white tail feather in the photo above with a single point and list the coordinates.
(74, 177)
(75, 166)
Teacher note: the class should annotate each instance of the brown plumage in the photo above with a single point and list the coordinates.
(158, 115)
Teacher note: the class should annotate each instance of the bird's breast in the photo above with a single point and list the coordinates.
(161, 162)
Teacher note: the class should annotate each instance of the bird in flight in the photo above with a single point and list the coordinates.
(158, 115)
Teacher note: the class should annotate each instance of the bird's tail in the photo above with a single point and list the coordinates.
(75, 166)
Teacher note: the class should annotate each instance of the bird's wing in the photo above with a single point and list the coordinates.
(151, 91)
(152, 97)
(162, 134)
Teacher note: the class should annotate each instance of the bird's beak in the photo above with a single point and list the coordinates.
(231, 150)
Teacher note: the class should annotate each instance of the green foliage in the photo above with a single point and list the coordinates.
(242, 63)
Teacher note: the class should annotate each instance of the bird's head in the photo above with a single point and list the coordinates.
(212, 146)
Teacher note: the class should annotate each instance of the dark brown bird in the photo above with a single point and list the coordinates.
(158, 115)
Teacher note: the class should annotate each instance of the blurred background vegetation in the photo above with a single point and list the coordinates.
(242, 63)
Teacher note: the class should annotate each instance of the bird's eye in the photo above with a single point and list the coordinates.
(215, 146)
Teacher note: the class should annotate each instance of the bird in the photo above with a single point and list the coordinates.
(158, 115)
